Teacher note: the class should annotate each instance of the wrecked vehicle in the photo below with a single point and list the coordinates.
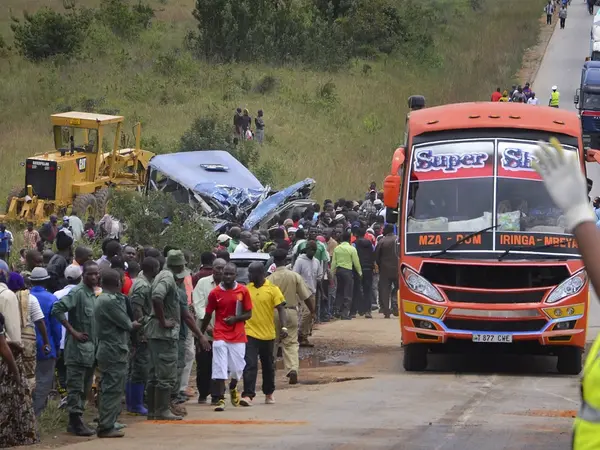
(223, 190)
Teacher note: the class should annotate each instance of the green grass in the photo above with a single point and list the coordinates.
(52, 420)
(343, 143)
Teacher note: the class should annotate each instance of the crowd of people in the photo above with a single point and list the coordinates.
(517, 94)
(131, 323)
(520, 94)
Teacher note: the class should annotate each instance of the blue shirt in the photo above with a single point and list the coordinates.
(53, 326)
(5, 238)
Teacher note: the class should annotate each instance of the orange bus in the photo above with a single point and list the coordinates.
(485, 260)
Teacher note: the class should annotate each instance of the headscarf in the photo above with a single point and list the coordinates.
(15, 282)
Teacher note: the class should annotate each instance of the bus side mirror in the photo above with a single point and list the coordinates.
(391, 184)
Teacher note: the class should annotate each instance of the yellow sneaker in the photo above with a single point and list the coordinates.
(235, 396)
(220, 405)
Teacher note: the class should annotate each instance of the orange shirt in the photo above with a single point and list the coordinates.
(372, 239)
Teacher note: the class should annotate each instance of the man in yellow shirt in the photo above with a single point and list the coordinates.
(260, 331)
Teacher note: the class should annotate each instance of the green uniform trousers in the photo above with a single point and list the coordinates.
(180, 366)
(140, 363)
(163, 363)
(79, 384)
(112, 386)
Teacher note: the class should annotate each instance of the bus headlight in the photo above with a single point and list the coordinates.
(570, 286)
(420, 285)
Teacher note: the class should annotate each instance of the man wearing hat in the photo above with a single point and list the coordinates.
(163, 331)
(223, 242)
(178, 395)
(80, 345)
(46, 353)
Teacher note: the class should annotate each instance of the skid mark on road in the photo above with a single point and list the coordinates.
(547, 413)
(223, 422)
(458, 416)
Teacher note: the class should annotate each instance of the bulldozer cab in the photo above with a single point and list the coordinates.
(84, 133)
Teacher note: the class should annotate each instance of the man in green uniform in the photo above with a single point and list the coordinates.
(141, 301)
(80, 345)
(163, 335)
(113, 326)
(176, 263)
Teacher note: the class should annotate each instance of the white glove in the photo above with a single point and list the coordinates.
(565, 183)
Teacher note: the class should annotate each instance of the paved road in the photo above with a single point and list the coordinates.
(561, 66)
(477, 403)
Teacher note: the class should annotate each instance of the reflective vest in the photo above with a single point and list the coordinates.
(586, 430)
(554, 98)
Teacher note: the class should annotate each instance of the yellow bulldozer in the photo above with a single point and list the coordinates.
(79, 173)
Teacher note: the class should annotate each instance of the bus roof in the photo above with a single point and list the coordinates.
(459, 116)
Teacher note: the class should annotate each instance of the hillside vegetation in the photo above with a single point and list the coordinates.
(332, 77)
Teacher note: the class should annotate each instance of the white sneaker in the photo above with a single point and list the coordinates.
(270, 400)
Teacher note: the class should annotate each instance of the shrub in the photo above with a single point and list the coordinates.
(124, 20)
(210, 133)
(322, 33)
(47, 33)
(207, 133)
(266, 85)
(144, 214)
(327, 93)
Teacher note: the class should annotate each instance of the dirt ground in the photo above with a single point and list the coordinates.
(343, 351)
(532, 58)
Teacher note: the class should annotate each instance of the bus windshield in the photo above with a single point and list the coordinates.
(460, 187)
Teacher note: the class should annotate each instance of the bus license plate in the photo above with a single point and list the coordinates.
(493, 338)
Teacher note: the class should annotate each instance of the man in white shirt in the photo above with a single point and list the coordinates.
(73, 275)
(311, 270)
(533, 100)
(248, 243)
(76, 226)
(204, 358)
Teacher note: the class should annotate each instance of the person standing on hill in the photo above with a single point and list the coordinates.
(259, 123)
(496, 95)
(246, 123)
(237, 123)
(562, 15)
(504, 97)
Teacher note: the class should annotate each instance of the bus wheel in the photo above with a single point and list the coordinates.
(415, 357)
(569, 360)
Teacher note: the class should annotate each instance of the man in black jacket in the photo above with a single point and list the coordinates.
(361, 299)
(386, 258)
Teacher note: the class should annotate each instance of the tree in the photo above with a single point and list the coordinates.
(47, 33)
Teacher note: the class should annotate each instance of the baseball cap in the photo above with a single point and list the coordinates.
(73, 272)
(223, 238)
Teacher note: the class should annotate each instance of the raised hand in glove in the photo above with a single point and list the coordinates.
(565, 182)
